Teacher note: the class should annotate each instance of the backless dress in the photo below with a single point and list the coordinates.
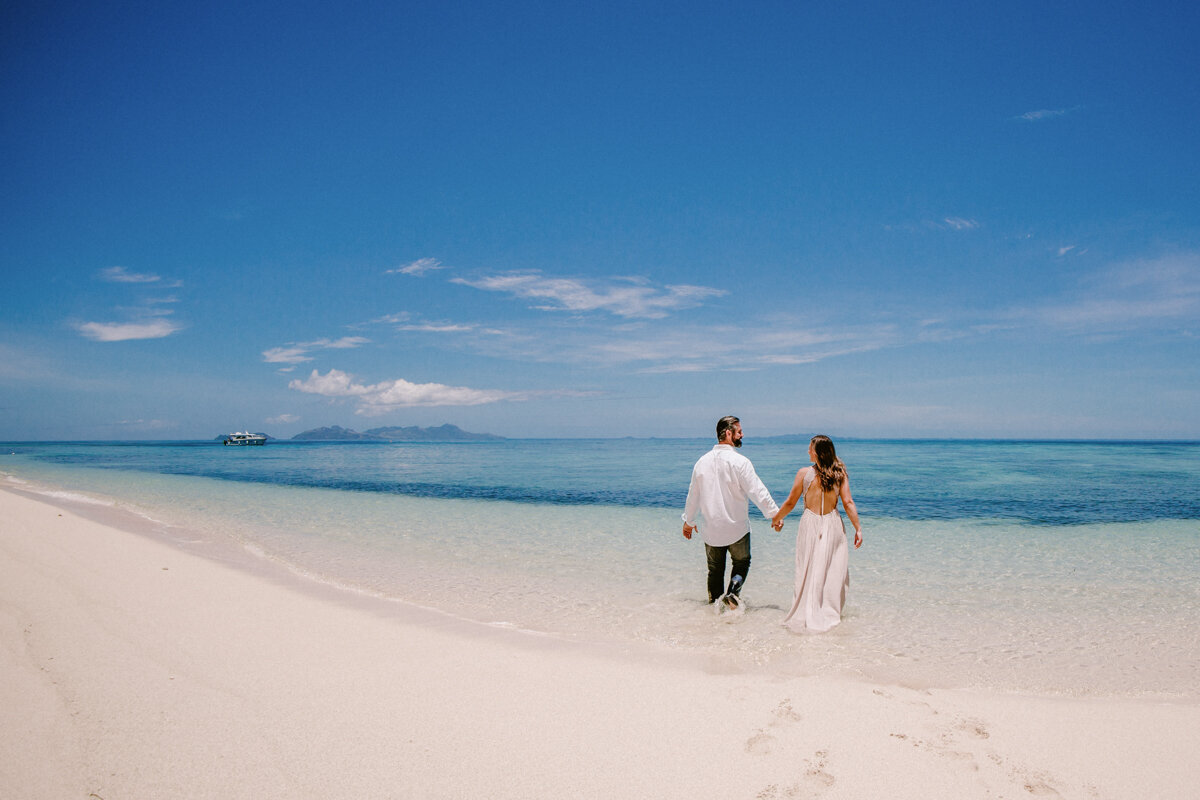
(822, 569)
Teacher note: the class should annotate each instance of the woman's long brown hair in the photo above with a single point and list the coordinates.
(830, 469)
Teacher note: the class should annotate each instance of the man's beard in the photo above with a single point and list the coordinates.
(737, 442)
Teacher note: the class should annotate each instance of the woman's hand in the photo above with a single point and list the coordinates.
(857, 538)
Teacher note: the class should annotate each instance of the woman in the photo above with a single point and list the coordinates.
(822, 557)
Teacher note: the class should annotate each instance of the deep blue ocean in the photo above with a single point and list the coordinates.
(1050, 567)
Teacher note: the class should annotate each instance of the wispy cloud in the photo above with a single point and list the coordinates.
(286, 355)
(125, 331)
(344, 343)
(741, 348)
(653, 347)
(122, 275)
(1046, 113)
(943, 224)
(299, 352)
(437, 327)
(381, 398)
(282, 419)
(960, 224)
(422, 266)
(1137, 295)
(411, 323)
(624, 297)
(145, 321)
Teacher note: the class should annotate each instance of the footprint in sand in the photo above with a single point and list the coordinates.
(760, 743)
(785, 713)
(974, 728)
(1039, 789)
(816, 770)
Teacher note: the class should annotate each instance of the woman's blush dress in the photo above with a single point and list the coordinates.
(822, 571)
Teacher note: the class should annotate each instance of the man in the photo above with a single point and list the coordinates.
(723, 481)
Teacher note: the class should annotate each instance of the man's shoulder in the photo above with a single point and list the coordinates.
(726, 453)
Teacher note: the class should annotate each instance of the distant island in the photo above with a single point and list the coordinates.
(411, 433)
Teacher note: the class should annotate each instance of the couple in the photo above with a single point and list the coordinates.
(723, 481)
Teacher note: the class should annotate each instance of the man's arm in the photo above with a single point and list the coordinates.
(757, 491)
(691, 508)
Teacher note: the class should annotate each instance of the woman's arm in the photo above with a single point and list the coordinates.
(851, 511)
(790, 503)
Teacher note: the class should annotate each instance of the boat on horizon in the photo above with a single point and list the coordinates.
(245, 438)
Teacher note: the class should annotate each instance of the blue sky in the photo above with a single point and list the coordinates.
(605, 219)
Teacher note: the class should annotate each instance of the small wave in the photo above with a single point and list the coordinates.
(75, 497)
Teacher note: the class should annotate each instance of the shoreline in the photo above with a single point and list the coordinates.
(137, 668)
(980, 647)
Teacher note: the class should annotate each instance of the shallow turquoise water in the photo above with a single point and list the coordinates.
(1049, 567)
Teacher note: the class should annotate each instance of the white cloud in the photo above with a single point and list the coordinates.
(742, 348)
(381, 398)
(344, 343)
(408, 323)
(1062, 251)
(122, 275)
(960, 224)
(124, 331)
(1138, 295)
(282, 419)
(653, 347)
(434, 327)
(625, 298)
(946, 223)
(390, 319)
(298, 352)
(145, 321)
(421, 266)
(1046, 113)
(286, 355)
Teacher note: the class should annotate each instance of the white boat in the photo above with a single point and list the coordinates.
(245, 437)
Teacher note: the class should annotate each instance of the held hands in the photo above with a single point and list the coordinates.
(857, 538)
(687, 530)
(777, 522)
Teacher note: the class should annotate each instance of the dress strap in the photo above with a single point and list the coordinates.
(808, 482)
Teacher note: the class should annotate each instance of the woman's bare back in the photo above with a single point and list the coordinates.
(816, 500)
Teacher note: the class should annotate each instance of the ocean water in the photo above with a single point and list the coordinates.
(1069, 568)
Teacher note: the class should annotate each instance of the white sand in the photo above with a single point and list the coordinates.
(132, 669)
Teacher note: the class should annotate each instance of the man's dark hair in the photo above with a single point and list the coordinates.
(724, 424)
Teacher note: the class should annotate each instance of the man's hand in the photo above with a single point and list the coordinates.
(687, 530)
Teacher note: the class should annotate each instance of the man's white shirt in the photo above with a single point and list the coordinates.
(723, 481)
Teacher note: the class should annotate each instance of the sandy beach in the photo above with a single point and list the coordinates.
(134, 669)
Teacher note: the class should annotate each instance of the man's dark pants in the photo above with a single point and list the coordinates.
(739, 551)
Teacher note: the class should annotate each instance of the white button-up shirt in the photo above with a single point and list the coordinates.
(723, 481)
